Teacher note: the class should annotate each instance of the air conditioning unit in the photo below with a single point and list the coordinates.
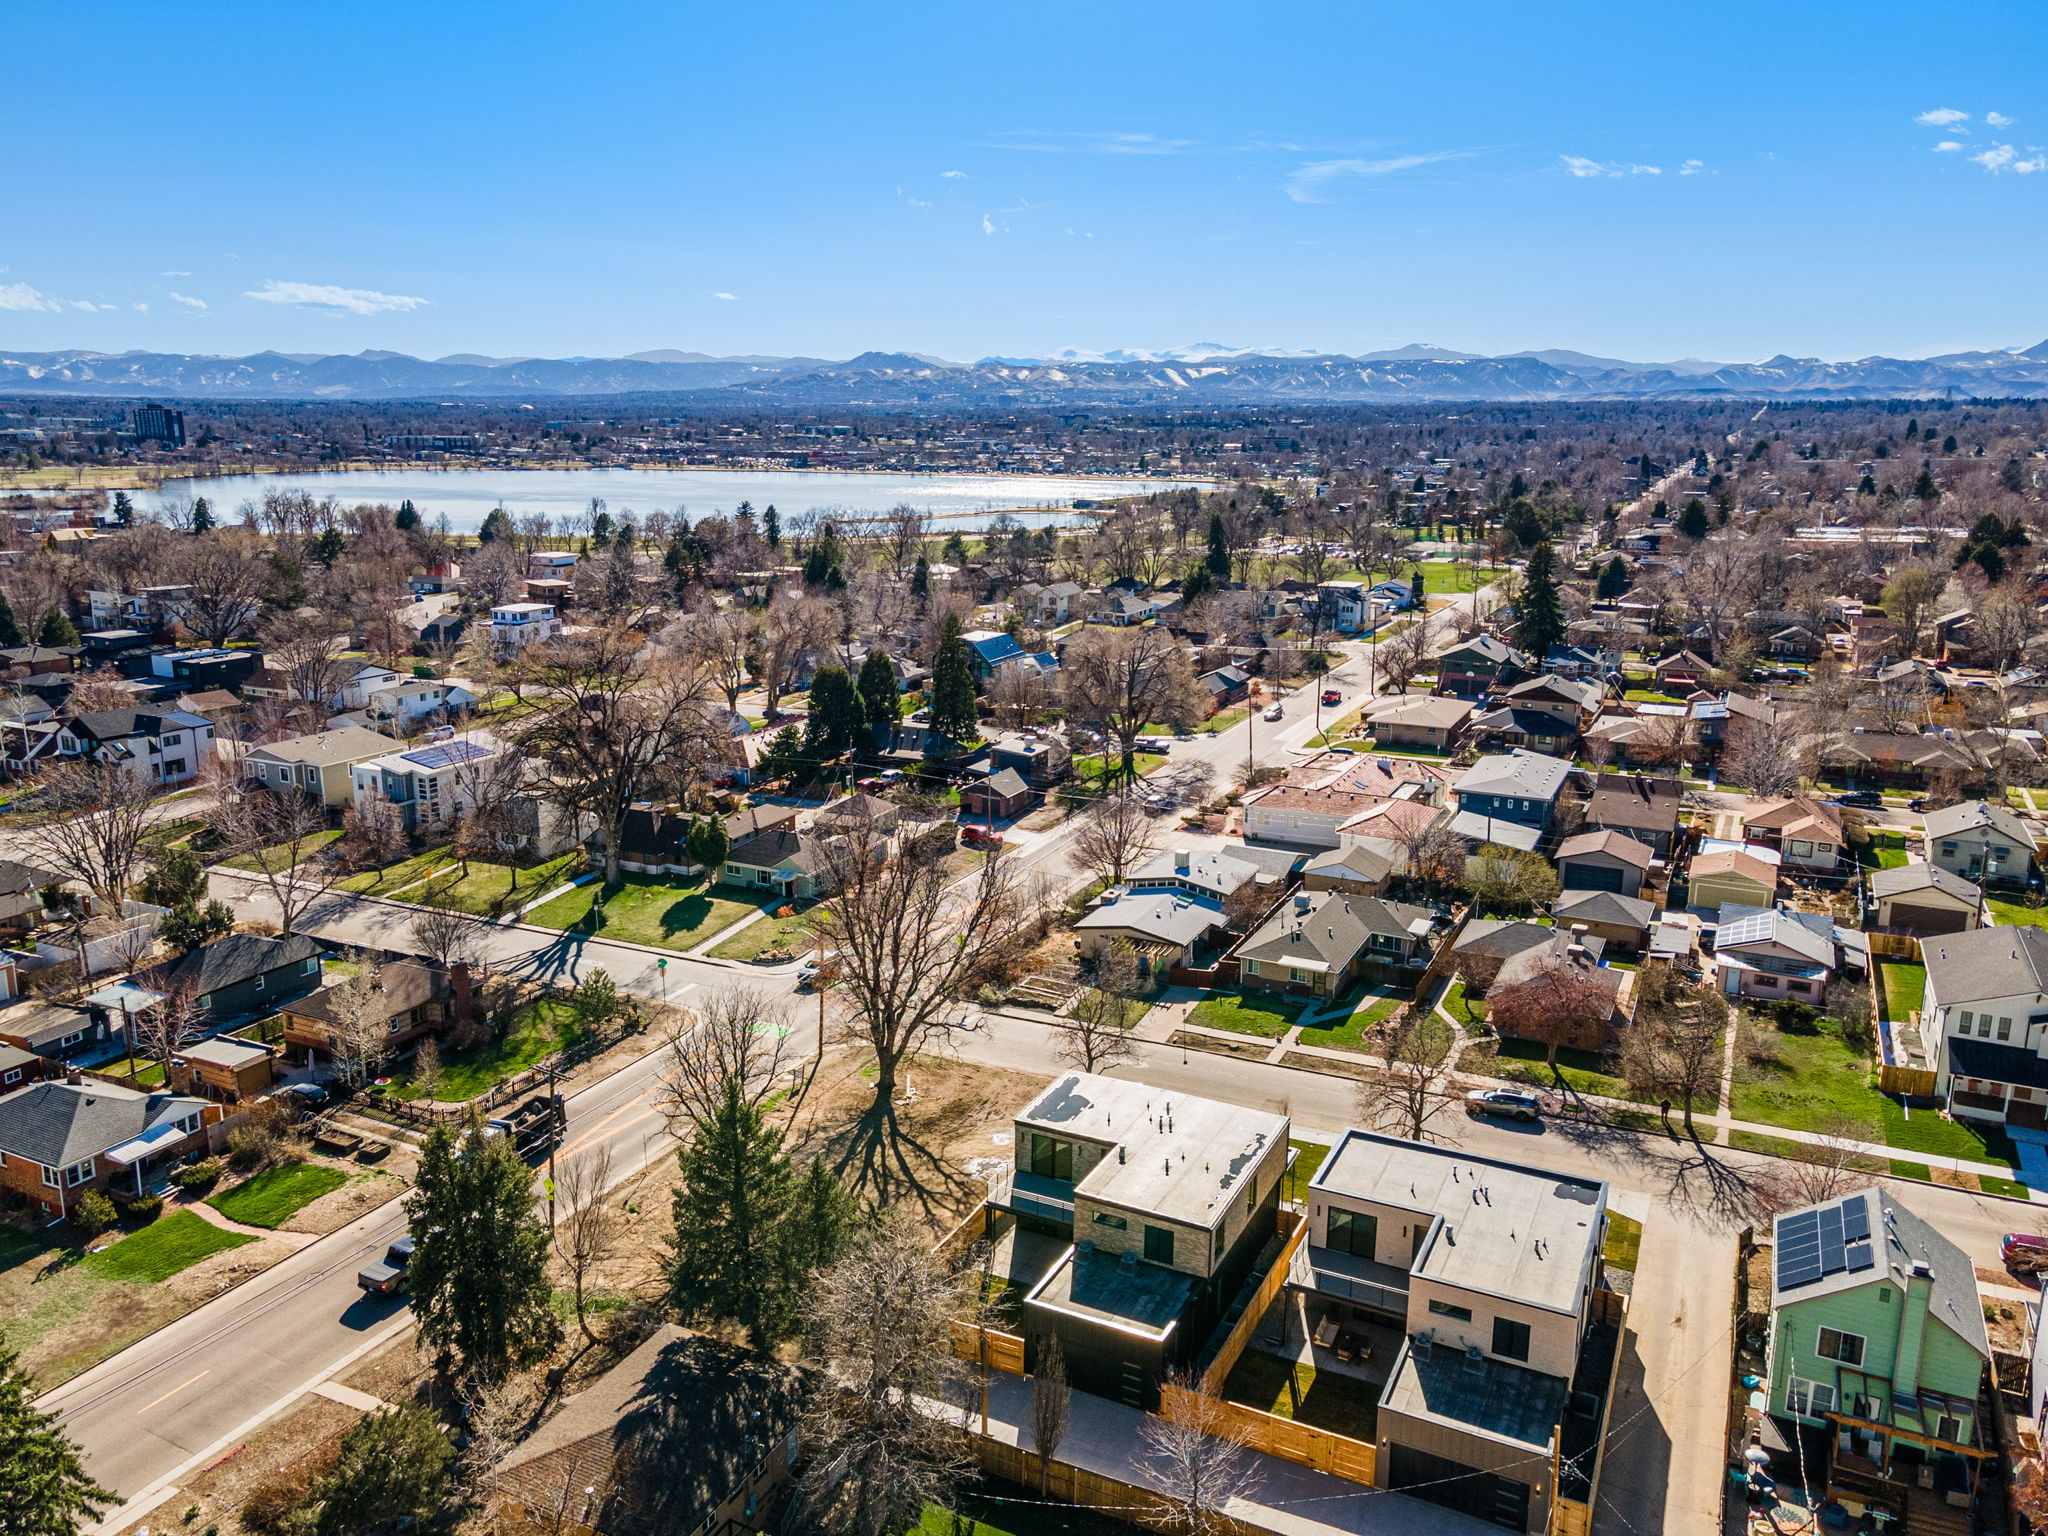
(1424, 1340)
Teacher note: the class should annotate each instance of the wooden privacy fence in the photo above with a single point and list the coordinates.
(1910, 1082)
(1077, 1485)
(1893, 946)
(1290, 1227)
(1288, 1439)
(1002, 1351)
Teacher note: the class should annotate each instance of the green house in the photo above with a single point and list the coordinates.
(1877, 1353)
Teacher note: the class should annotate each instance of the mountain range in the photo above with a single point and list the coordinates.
(1199, 375)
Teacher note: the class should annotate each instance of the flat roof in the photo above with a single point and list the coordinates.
(1184, 1157)
(1520, 1233)
(1508, 1401)
(1138, 1298)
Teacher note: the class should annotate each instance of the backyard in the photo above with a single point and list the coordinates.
(667, 914)
(1342, 1404)
(2014, 914)
(539, 1028)
(1905, 983)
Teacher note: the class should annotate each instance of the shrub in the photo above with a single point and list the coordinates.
(142, 1209)
(270, 1504)
(203, 1174)
(94, 1214)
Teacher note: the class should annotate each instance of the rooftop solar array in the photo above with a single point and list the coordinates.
(1815, 1244)
(446, 754)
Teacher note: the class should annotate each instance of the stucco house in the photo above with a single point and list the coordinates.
(1982, 842)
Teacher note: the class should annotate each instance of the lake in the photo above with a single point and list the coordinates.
(464, 497)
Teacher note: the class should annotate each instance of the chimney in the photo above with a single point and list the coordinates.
(1181, 857)
(462, 994)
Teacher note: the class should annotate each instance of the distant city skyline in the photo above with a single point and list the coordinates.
(1640, 183)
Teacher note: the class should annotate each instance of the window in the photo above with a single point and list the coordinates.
(1297, 975)
(1251, 967)
(1052, 1158)
(205, 1002)
(50, 1177)
(71, 1039)
(77, 1174)
(311, 967)
(1115, 1223)
(1216, 1249)
(1510, 1339)
(1159, 1245)
(2005, 1029)
(1354, 1232)
(1251, 1193)
(1445, 1309)
(262, 982)
(1843, 1348)
(1967, 1021)
(1949, 849)
(1808, 1399)
(13, 1076)
(189, 1125)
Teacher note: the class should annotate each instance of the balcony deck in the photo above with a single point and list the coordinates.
(1346, 1277)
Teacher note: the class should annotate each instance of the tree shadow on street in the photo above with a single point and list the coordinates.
(884, 1163)
(1696, 1173)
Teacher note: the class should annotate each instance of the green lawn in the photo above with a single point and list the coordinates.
(1349, 1033)
(1309, 1157)
(668, 914)
(1468, 1011)
(1650, 696)
(2016, 915)
(490, 889)
(393, 877)
(1019, 1512)
(1624, 1241)
(2007, 1187)
(541, 1027)
(159, 1250)
(147, 1072)
(793, 933)
(1442, 577)
(274, 1196)
(1522, 1061)
(1343, 1405)
(1093, 767)
(1883, 850)
(1905, 983)
(270, 860)
(1247, 1013)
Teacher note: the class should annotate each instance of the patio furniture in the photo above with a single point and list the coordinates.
(1326, 1333)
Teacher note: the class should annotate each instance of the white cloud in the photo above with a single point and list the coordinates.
(2004, 157)
(1579, 165)
(174, 274)
(1998, 119)
(332, 299)
(988, 225)
(1942, 117)
(953, 176)
(728, 297)
(1692, 168)
(189, 303)
(1040, 142)
(144, 308)
(1948, 146)
(1307, 183)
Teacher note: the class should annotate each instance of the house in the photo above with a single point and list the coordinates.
(1118, 608)
(1806, 832)
(1326, 798)
(21, 895)
(161, 746)
(1229, 876)
(53, 1031)
(1321, 942)
(1685, 670)
(1774, 954)
(241, 974)
(1877, 1355)
(1052, 604)
(19, 1068)
(201, 669)
(223, 1070)
(1642, 806)
(404, 999)
(1425, 720)
(1623, 921)
(318, 764)
(1604, 861)
(1984, 1023)
(1510, 799)
(1648, 736)
(1499, 952)
(1168, 922)
(514, 626)
(1582, 661)
(1570, 701)
(1157, 1203)
(1353, 868)
(990, 650)
(781, 862)
(1225, 686)
(1470, 669)
(1730, 876)
(686, 1433)
(61, 1141)
(1345, 606)
(1042, 759)
(1913, 762)
(1983, 842)
(1506, 729)
(417, 701)
(425, 787)
(1924, 899)
(1712, 723)
(998, 797)
(1485, 1282)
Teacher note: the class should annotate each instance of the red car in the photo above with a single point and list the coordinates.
(2022, 1247)
(1332, 696)
(980, 837)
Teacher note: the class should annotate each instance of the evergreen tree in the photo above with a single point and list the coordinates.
(1925, 488)
(921, 578)
(1948, 444)
(1418, 580)
(189, 925)
(1991, 562)
(1867, 486)
(2013, 477)
(10, 627)
(822, 566)
(329, 547)
(479, 1275)
(880, 701)
(601, 530)
(708, 842)
(1219, 548)
(1195, 582)
(124, 510)
(288, 590)
(57, 629)
(497, 525)
(1542, 613)
(393, 1465)
(44, 1490)
(836, 714)
(202, 515)
(954, 550)
(1614, 580)
(771, 527)
(953, 693)
(1692, 522)
(408, 517)
(784, 753)
(176, 878)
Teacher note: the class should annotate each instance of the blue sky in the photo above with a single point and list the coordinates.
(1650, 182)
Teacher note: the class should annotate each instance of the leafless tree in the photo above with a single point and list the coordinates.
(1099, 1035)
(910, 948)
(792, 627)
(1558, 1002)
(1197, 1458)
(1820, 1170)
(719, 643)
(101, 688)
(489, 797)
(88, 821)
(162, 1031)
(1051, 1399)
(356, 1034)
(496, 1417)
(1018, 695)
(229, 576)
(588, 1230)
(283, 835)
(449, 936)
(882, 1324)
(370, 838)
(1126, 679)
(1413, 1091)
(1674, 1046)
(1117, 836)
(1403, 654)
(1434, 851)
(1509, 880)
(1763, 759)
(735, 1035)
(492, 574)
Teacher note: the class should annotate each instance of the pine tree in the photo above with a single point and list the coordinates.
(408, 517)
(771, 527)
(44, 1490)
(124, 510)
(1614, 580)
(1219, 548)
(921, 578)
(57, 629)
(879, 699)
(10, 627)
(1418, 581)
(836, 715)
(1692, 522)
(1925, 488)
(329, 547)
(497, 525)
(392, 1465)
(176, 878)
(1542, 613)
(202, 515)
(479, 1275)
(953, 694)
(734, 1198)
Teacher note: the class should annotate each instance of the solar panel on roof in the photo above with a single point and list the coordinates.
(1855, 1219)
(1860, 1257)
(446, 754)
(1790, 1275)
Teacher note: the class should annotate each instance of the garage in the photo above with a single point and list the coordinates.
(1591, 877)
(1924, 899)
(1927, 920)
(1485, 1496)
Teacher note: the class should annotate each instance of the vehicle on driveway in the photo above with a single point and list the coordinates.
(980, 837)
(307, 1098)
(1274, 712)
(1504, 1102)
(386, 1277)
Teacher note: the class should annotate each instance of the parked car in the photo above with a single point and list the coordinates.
(1274, 712)
(806, 974)
(1333, 696)
(1919, 803)
(980, 837)
(2023, 1253)
(1158, 805)
(387, 1276)
(1504, 1102)
(1868, 799)
(306, 1097)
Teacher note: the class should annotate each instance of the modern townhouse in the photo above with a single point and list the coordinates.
(1984, 1025)
(162, 747)
(1511, 799)
(425, 787)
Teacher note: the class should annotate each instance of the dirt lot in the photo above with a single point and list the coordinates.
(295, 1443)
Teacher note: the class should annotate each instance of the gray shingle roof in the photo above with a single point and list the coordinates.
(1989, 962)
(1603, 907)
(1920, 877)
(1617, 844)
(1169, 916)
(1528, 774)
(58, 1124)
(237, 958)
(326, 749)
(1967, 817)
(1329, 927)
(1905, 1240)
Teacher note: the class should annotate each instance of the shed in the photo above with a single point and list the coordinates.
(1604, 861)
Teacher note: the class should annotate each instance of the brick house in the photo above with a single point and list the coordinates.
(1321, 942)
(58, 1141)
(407, 998)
